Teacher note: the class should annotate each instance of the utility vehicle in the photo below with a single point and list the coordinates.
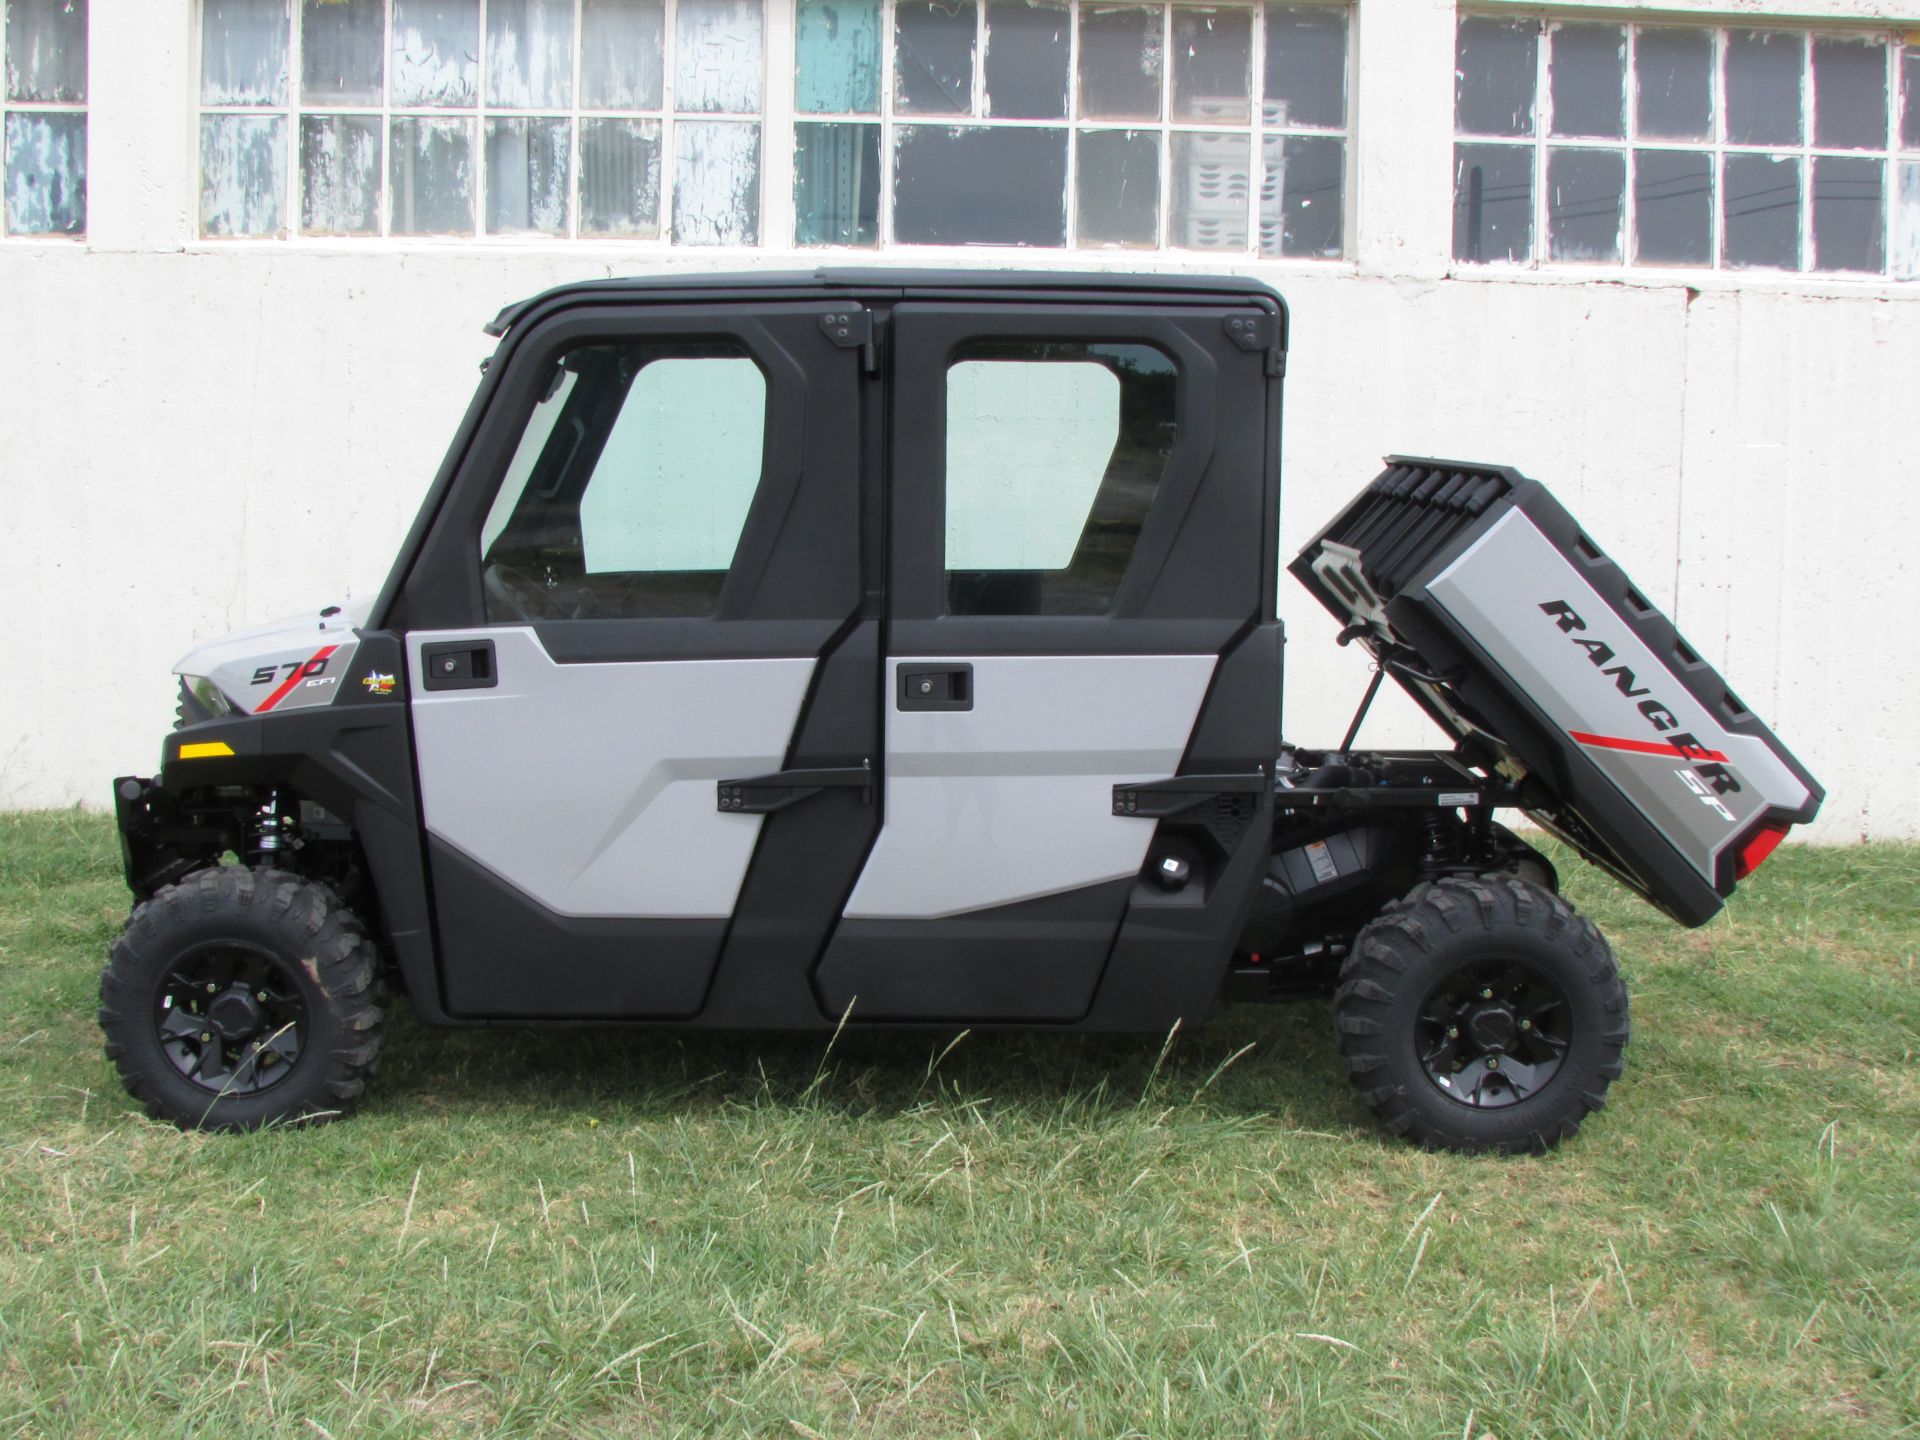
(899, 649)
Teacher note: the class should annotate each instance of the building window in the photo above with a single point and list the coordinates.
(1071, 123)
(1664, 145)
(447, 117)
(43, 114)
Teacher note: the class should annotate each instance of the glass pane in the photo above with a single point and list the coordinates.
(1306, 66)
(1210, 190)
(1673, 207)
(1027, 59)
(836, 67)
(430, 174)
(243, 52)
(1587, 78)
(1763, 87)
(1119, 188)
(622, 49)
(530, 53)
(1492, 202)
(1906, 220)
(1761, 226)
(47, 51)
(1910, 86)
(436, 52)
(1674, 90)
(1495, 64)
(716, 183)
(1122, 57)
(717, 62)
(962, 185)
(46, 174)
(933, 57)
(1301, 195)
(528, 172)
(1850, 94)
(620, 177)
(1212, 64)
(836, 184)
(243, 174)
(1849, 213)
(340, 174)
(1586, 202)
(342, 49)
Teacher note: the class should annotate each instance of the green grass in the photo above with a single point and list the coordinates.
(639, 1234)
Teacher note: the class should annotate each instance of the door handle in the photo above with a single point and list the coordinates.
(764, 794)
(458, 665)
(935, 687)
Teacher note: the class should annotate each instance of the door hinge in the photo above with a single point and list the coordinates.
(1255, 333)
(851, 327)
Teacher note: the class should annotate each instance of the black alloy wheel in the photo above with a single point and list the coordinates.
(1493, 1034)
(231, 1019)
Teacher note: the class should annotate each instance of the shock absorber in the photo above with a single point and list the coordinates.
(267, 835)
(1442, 848)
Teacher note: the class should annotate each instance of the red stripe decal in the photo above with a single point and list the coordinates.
(294, 679)
(1644, 747)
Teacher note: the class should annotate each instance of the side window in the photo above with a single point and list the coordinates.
(628, 492)
(1054, 451)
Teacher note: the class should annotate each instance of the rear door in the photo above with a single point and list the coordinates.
(646, 584)
(1079, 499)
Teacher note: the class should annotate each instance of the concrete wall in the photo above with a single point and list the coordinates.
(197, 435)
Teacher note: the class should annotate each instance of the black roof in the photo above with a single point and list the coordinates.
(902, 282)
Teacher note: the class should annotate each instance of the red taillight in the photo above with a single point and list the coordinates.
(1755, 849)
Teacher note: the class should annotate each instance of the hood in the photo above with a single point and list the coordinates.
(284, 664)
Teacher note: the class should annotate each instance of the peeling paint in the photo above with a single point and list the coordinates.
(716, 183)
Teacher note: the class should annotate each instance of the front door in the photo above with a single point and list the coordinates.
(645, 584)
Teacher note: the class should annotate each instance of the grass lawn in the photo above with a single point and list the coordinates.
(638, 1234)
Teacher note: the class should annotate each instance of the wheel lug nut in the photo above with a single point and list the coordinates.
(1493, 1062)
(205, 1036)
(1526, 1024)
(211, 987)
(261, 996)
(1486, 993)
(1453, 1032)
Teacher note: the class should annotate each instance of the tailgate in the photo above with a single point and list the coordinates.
(1530, 646)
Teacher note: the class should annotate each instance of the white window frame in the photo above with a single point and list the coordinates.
(9, 107)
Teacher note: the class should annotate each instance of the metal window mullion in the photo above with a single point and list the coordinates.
(883, 237)
(979, 94)
(1541, 72)
(1166, 127)
(573, 120)
(780, 35)
(1809, 114)
(1072, 199)
(1256, 155)
(482, 108)
(669, 116)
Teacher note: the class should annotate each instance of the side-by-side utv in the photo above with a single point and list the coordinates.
(899, 649)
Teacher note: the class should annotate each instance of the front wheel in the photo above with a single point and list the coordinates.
(1482, 1015)
(239, 998)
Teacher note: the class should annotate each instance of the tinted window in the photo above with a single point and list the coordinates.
(630, 486)
(1054, 451)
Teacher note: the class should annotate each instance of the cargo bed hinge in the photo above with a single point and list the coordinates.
(1258, 332)
(851, 327)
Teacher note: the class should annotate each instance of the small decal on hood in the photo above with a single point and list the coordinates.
(377, 684)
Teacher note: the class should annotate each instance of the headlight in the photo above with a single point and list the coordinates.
(208, 695)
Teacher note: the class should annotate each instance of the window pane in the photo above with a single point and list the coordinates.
(1301, 194)
(933, 57)
(1906, 252)
(243, 174)
(1673, 207)
(836, 184)
(342, 46)
(620, 177)
(1119, 188)
(1849, 213)
(530, 53)
(46, 174)
(528, 170)
(622, 46)
(717, 64)
(243, 52)
(1306, 66)
(1210, 190)
(1212, 64)
(837, 57)
(1586, 202)
(1053, 454)
(430, 173)
(716, 183)
(1850, 94)
(1674, 74)
(1027, 59)
(47, 51)
(1763, 87)
(340, 174)
(1761, 226)
(436, 52)
(1910, 85)
(1588, 80)
(964, 185)
(1493, 78)
(1492, 202)
(1121, 62)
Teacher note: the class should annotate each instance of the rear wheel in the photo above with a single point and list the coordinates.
(1482, 1015)
(239, 998)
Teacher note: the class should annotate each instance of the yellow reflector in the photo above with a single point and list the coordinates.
(205, 750)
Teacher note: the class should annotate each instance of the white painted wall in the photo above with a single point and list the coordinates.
(198, 435)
